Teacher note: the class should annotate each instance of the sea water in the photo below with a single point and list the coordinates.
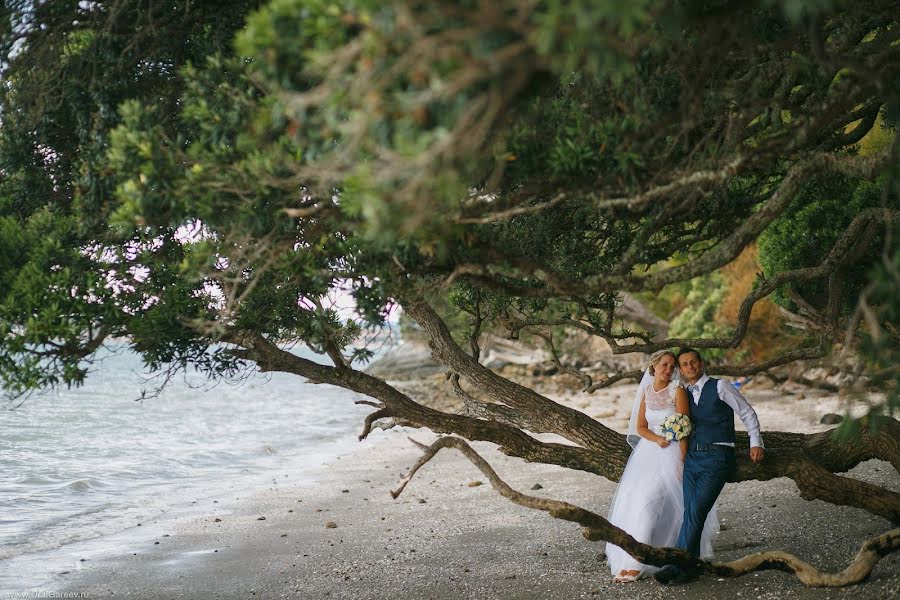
(84, 463)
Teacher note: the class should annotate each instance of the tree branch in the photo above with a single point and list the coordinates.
(562, 420)
(596, 528)
(511, 212)
(558, 285)
(511, 440)
(695, 179)
(846, 249)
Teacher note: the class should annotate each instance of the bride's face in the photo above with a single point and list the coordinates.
(664, 368)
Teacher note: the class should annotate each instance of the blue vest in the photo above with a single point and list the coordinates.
(713, 419)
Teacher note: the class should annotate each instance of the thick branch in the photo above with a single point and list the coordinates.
(495, 412)
(558, 285)
(604, 451)
(395, 404)
(854, 239)
(816, 482)
(553, 417)
(596, 528)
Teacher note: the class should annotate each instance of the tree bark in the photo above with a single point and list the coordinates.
(810, 460)
(596, 528)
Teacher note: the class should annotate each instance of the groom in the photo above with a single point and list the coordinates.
(710, 457)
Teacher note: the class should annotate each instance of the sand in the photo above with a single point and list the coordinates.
(444, 538)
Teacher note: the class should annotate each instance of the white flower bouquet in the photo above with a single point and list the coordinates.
(676, 427)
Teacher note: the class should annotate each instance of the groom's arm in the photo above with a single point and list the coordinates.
(733, 398)
(683, 405)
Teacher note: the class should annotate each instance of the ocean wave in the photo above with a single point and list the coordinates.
(90, 462)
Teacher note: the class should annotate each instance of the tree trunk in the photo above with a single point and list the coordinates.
(809, 460)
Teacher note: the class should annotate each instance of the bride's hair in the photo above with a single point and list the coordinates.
(657, 356)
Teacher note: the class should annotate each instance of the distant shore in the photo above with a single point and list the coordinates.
(444, 538)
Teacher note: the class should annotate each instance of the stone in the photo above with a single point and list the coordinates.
(759, 382)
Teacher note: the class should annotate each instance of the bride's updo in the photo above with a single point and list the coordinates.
(657, 356)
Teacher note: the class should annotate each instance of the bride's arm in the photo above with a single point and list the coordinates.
(645, 432)
(682, 405)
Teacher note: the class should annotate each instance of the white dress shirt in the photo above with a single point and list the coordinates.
(733, 398)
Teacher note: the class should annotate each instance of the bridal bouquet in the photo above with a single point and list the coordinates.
(676, 427)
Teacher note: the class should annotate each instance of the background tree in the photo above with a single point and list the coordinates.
(197, 183)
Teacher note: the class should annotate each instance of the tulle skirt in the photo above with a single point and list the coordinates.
(649, 505)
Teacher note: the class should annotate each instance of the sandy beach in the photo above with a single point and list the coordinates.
(342, 536)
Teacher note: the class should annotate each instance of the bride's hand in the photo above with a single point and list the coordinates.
(663, 442)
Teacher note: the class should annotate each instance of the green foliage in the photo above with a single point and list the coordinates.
(880, 345)
(802, 236)
(698, 318)
(227, 168)
(570, 137)
(67, 68)
(668, 302)
(567, 34)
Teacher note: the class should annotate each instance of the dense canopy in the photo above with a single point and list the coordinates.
(200, 178)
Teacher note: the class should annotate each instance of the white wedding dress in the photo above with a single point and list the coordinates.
(649, 502)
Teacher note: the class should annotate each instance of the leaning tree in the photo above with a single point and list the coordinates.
(197, 179)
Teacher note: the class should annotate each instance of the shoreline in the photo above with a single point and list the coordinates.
(444, 539)
(47, 568)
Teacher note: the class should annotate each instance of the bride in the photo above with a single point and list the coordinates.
(649, 502)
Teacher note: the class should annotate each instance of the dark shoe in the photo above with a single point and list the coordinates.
(672, 575)
(684, 577)
(667, 574)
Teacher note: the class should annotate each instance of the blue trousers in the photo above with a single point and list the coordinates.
(706, 469)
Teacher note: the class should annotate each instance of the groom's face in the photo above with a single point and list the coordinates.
(691, 366)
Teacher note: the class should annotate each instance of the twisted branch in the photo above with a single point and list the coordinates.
(596, 528)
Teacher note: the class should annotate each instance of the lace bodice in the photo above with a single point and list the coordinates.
(658, 405)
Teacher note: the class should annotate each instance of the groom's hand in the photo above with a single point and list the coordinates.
(757, 454)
